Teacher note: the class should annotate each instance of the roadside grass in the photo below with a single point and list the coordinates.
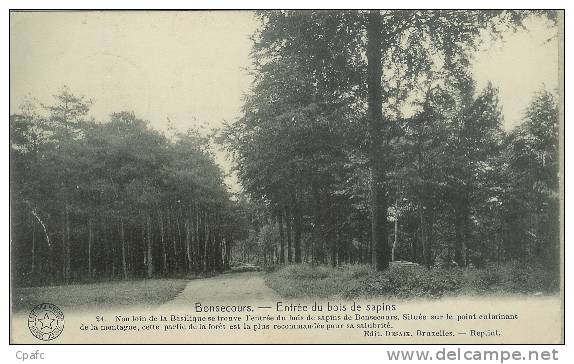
(141, 293)
(352, 281)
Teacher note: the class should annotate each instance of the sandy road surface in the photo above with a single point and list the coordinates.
(235, 288)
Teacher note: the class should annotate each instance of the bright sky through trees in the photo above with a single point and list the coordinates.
(191, 67)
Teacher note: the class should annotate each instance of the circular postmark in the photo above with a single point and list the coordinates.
(46, 321)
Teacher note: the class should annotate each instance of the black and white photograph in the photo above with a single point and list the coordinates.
(286, 177)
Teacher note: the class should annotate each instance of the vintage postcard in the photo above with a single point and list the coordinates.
(298, 176)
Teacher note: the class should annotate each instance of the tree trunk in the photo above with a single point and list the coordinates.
(318, 250)
(162, 240)
(415, 245)
(429, 257)
(188, 244)
(281, 236)
(380, 249)
(212, 245)
(66, 245)
(205, 243)
(288, 228)
(424, 232)
(90, 243)
(174, 230)
(180, 235)
(335, 248)
(192, 245)
(149, 247)
(461, 217)
(197, 241)
(228, 248)
(298, 228)
(112, 248)
(123, 241)
(33, 264)
(395, 240)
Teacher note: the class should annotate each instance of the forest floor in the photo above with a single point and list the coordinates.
(360, 280)
(152, 292)
(293, 281)
(236, 287)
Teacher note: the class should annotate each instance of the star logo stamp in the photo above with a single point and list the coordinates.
(46, 321)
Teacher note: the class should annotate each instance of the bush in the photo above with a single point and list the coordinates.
(350, 281)
(270, 268)
(482, 280)
(406, 282)
(512, 277)
(306, 280)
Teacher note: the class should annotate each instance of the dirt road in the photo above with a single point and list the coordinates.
(236, 288)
